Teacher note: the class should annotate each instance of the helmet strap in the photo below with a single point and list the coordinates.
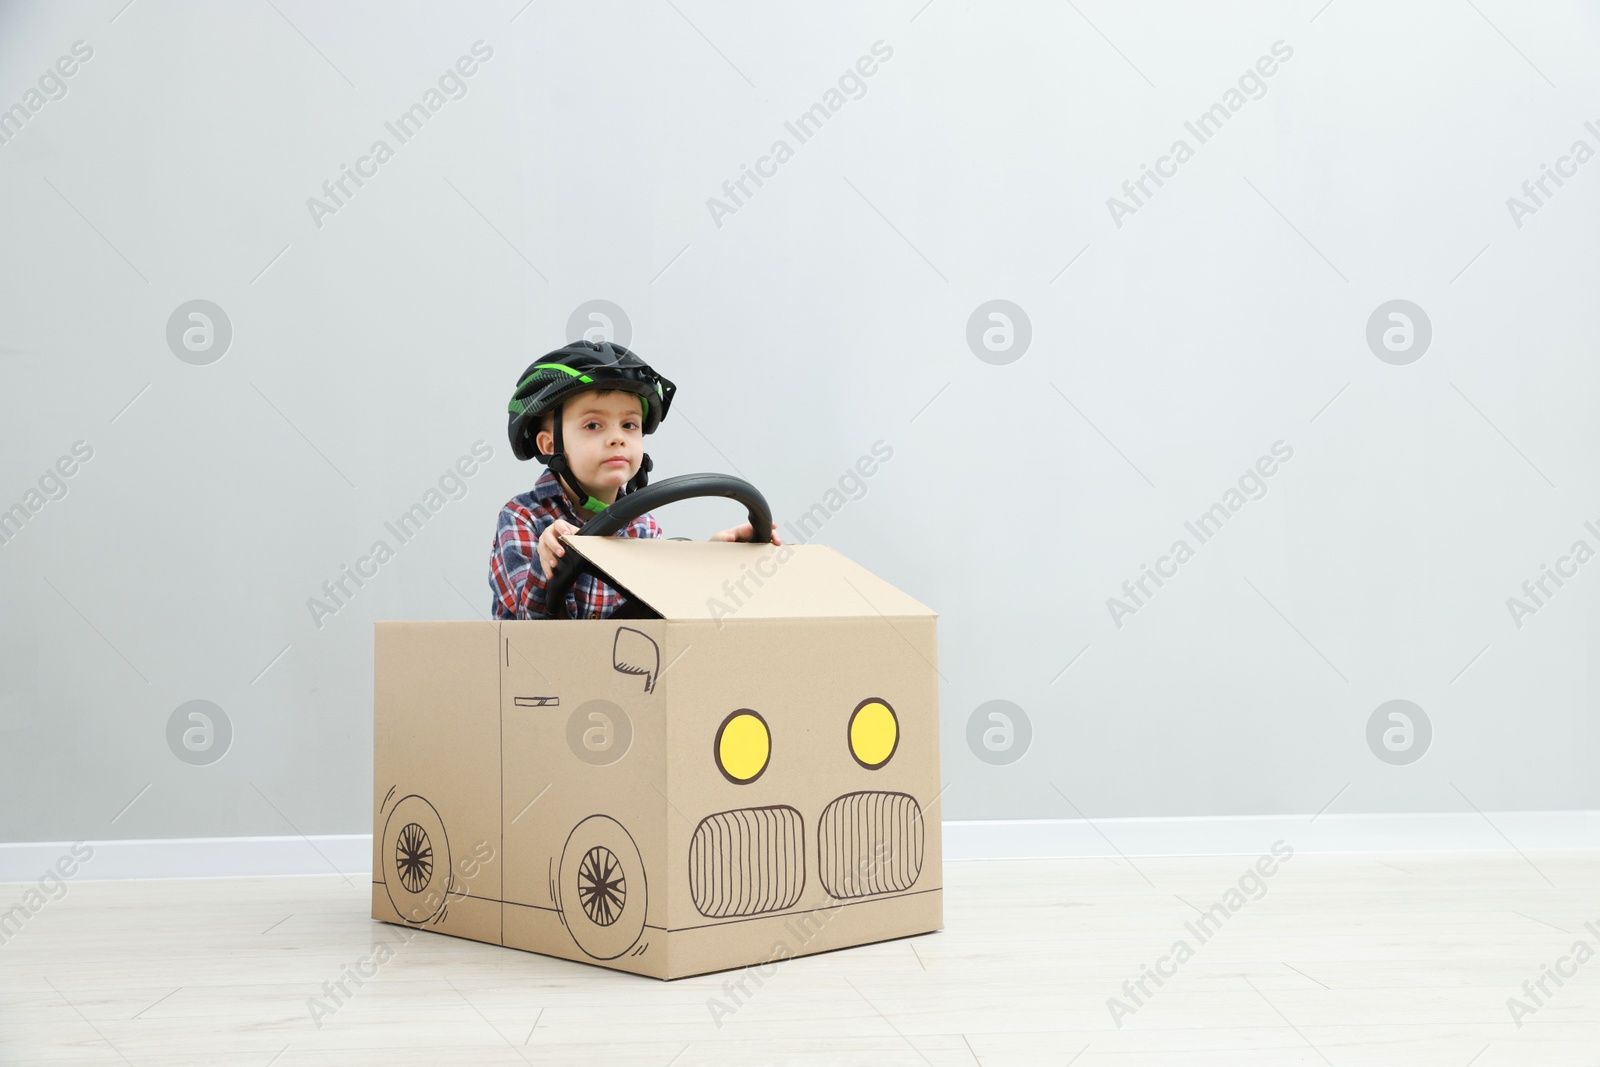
(641, 479)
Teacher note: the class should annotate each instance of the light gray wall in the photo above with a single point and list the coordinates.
(1170, 349)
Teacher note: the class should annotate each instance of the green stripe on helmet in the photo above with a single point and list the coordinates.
(519, 407)
(556, 366)
(582, 377)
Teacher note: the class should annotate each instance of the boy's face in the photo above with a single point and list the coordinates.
(603, 435)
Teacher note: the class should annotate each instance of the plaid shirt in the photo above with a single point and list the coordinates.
(515, 575)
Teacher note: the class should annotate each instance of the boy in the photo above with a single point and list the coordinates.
(582, 411)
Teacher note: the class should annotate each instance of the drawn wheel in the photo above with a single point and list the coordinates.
(413, 858)
(416, 858)
(602, 889)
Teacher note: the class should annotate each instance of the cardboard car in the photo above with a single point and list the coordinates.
(740, 767)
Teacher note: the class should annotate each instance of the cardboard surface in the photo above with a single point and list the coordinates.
(690, 579)
(437, 688)
(667, 796)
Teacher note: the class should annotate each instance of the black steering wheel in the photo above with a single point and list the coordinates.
(632, 505)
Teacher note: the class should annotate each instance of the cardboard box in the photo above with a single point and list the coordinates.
(750, 774)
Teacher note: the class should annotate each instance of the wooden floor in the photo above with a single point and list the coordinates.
(1351, 960)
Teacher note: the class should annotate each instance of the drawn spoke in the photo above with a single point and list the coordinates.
(602, 889)
(414, 858)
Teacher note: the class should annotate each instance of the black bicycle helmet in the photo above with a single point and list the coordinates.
(579, 367)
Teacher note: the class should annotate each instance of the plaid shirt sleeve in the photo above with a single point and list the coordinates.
(517, 579)
(514, 571)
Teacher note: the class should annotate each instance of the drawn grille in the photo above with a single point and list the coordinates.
(869, 843)
(747, 861)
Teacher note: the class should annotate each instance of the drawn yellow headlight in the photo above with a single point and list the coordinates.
(743, 746)
(874, 733)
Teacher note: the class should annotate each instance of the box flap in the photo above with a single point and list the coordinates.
(702, 579)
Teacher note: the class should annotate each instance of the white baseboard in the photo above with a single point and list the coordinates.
(191, 857)
(1222, 835)
(351, 854)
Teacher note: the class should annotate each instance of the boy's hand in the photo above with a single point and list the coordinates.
(744, 532)
(551, 550)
